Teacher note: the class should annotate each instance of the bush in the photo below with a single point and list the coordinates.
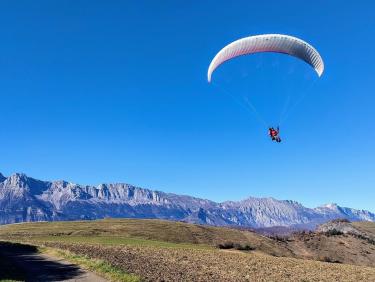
(226, 245)
(237, 246)
(334, 232)
(245, 247)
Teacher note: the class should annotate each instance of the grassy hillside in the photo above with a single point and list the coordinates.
(159, 230)
(174, 251)
(140, 232)
(366, 226)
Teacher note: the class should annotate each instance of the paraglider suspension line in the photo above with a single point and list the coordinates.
(287, 111)
(248, 107)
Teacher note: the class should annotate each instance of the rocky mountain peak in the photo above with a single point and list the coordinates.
(18, 180)
(2, 177)
(332, 206)
(21, 181)
(23, 198)
(61, 183)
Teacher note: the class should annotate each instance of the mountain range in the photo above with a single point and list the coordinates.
(23, 199)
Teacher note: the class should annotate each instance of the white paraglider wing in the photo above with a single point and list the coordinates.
(277, 43)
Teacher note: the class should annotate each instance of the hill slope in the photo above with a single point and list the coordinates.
(118, 231)
(337, 241)
(158, 250)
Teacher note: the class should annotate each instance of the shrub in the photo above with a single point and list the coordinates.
(237, 246)
(245, 247)
(334, 232)
(226, 245)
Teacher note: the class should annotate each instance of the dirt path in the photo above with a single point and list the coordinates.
(41, 267)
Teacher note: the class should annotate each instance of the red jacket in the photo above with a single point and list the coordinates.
(273, 133)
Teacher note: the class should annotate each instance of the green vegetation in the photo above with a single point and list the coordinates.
(115, 240)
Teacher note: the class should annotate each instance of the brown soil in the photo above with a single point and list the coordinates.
(167, 264)
(304, 256)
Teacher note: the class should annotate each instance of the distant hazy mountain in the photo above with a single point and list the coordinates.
(26, 199)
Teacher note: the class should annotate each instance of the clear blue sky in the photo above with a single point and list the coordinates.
(116, 91)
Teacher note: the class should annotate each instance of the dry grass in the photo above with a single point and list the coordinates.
(336, 246)
(167, 264)
(159, 230)
(368, 227)
(140, 232)
(159, 250)
(340, 249)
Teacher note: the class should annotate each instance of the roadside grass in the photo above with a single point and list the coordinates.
(98, 266)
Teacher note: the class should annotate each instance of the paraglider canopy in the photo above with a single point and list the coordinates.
(277, 43)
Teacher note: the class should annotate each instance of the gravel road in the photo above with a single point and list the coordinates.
(42, 267)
